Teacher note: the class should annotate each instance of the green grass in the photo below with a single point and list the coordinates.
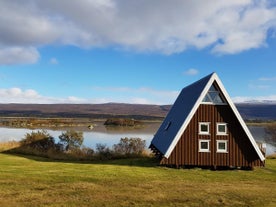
(34, 181)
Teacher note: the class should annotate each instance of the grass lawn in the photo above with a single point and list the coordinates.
(34, 181)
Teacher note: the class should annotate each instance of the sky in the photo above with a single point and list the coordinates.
(129, 51)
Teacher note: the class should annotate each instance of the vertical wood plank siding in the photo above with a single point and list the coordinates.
(240, 152)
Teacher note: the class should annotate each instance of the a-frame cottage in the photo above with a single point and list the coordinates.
(204, 129)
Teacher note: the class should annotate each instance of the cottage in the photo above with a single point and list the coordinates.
(204, 129)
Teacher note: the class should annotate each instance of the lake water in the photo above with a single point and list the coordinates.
(99, 134)
(112, 135)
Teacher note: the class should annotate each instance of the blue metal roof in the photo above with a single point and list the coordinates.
(180, 110)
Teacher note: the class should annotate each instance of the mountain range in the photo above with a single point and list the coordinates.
(249, 111)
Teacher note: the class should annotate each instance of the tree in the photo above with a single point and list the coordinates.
(71, 140)
(130, 146)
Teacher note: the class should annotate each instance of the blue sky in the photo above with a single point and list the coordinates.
(99, 51)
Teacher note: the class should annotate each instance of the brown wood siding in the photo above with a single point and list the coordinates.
(240, 151)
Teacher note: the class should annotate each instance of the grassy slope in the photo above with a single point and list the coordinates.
(33, 181)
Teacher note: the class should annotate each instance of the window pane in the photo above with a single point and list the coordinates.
(204, 127)
(167, 126)
(212, 88)
(222, 128)
(217, 99)
(222, 146)
(207, 98)
(204, 145)
(213, 95)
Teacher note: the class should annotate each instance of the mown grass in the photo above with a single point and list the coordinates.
(35, 181)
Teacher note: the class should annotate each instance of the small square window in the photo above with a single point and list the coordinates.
(221, 129)
(204, 146)
(204, 128)
(222, 146)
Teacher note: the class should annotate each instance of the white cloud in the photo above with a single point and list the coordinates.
(128, 95)
(191, 71)
(18, 55)
(226, 27)
(17, 95)
(138, 96)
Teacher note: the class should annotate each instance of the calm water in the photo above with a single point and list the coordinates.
(99, 134)
(111, 135)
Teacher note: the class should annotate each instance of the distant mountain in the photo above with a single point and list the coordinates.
(259, 111)
(136, 111)
(249, 111)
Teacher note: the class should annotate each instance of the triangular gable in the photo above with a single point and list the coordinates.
(184, 109)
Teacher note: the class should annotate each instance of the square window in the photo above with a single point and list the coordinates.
(204, 146)
(222, 146)
(204, 127)
(221, 129)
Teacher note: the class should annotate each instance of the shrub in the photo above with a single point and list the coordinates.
(87, 151)
(103, 152)
(40, 141)
(130, 146)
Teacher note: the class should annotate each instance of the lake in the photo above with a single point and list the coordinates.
(112, 135)
(99, 134)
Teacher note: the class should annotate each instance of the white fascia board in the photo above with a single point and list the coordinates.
(189, 117)
(236, 112)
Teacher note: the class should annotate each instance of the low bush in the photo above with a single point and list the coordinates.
(103, 152)
(40, 140)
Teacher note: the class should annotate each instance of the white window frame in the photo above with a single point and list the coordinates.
(208, 128)
(221, 124)
(199, 145)
(226, 146)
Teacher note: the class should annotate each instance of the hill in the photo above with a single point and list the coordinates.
(257, 111)
(249, 111)
(137, 111)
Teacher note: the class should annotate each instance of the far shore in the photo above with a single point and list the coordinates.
(36, 122)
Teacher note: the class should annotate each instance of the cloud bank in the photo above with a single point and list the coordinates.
(121, 95)
(161, 26)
